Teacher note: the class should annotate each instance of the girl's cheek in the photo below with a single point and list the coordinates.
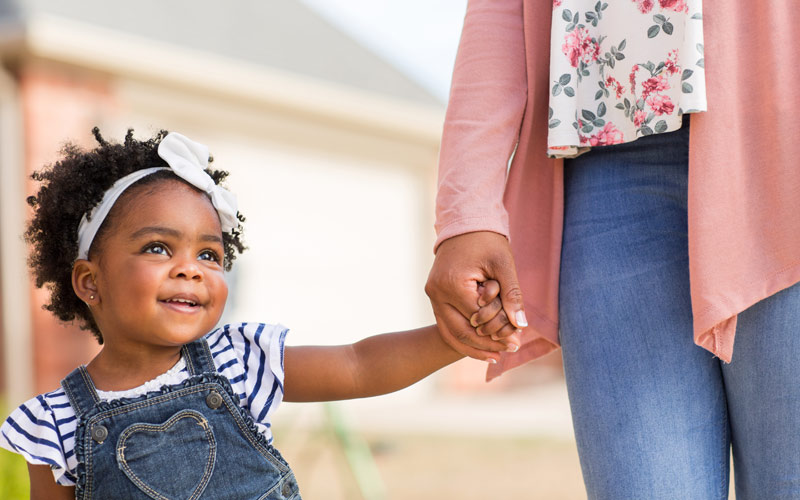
(221, 289)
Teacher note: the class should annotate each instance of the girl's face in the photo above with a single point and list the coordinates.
(159, 271)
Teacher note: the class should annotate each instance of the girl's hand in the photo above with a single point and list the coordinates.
(491, 319)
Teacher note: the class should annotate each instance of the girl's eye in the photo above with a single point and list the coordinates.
(156, 248)
(209, 255)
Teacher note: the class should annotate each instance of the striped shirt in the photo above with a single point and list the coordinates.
(249, 355)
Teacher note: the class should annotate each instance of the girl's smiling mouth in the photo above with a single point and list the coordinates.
(182, 302)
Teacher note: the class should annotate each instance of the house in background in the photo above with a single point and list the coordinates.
(332, 153)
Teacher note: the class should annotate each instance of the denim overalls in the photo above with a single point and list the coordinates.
(189, 441)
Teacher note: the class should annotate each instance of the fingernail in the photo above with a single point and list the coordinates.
(492, 361)
(521, 320)
(512, 348)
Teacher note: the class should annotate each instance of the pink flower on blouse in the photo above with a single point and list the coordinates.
(632, 78)
(671, 64)
(676, 5)
(608, 135)
(639, 117)
(660, 104)
(579, 46)
(645, 6)
(556, 3)
(655, 84)
(613, 83)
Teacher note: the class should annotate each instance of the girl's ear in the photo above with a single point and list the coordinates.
(83, 282)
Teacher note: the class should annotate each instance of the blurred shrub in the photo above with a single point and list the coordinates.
(13, 476)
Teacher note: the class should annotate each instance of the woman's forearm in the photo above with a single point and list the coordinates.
(484, 114)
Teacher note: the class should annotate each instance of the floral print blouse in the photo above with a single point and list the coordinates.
(622, 69)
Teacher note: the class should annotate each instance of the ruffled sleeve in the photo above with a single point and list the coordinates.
(43, 437)
(250, 356)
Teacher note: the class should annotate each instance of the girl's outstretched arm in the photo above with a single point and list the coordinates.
(44, 487)
(376, 365)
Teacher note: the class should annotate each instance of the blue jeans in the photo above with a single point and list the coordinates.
(655, 416)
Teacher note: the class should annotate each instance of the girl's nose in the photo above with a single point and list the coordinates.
(186, 268)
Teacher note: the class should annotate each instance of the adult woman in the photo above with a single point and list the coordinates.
(654, 415)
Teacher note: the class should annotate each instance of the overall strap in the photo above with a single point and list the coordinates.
(198, 357)
(80, 390)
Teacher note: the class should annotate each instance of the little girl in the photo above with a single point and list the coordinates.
(132, 240)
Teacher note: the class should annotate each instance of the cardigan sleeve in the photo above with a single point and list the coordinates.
(484, 113)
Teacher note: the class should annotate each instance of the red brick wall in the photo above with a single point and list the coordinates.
(59, 103)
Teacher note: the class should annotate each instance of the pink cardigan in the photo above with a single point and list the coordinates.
(744, 161)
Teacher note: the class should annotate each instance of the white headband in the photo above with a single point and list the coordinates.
(187, 159)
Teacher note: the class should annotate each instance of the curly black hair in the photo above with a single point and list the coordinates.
(70, 188)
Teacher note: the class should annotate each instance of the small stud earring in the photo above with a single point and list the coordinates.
(91, 297)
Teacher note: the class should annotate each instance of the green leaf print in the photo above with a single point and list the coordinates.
(569, 91)
(661, 126)
(554, 123)
(686, 74)
(566, 15)
(653, 31)
(668, 28)
(564, 79)
(601, 109)
(686, 88)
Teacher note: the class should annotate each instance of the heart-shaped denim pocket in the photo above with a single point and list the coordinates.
(173, 460)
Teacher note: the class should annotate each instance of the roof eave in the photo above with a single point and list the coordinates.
(121, 54)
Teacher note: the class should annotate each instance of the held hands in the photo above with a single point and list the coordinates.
(475, 295)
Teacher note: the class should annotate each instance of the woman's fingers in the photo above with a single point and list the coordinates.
(487, 292)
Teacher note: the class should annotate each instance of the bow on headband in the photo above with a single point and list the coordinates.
(187, 159)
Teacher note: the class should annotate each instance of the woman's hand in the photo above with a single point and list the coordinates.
(465, 320)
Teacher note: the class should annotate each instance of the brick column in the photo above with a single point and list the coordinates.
(59, 104)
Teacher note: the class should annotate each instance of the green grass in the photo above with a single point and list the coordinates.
(13, 469)
(13, 476)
